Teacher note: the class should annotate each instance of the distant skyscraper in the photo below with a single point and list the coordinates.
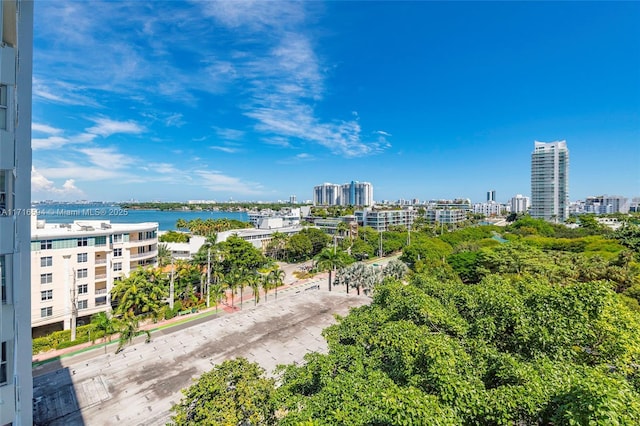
(491, 195)
(550, 181)
(348, 194)
(292, 199)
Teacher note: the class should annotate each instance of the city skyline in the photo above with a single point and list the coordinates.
(258, 101)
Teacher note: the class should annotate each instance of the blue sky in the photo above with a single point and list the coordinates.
(172, 100)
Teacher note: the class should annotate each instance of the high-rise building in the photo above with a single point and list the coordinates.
(16, 388)
(519, 204)
(348, 194)
(491, 195)
(550, 181)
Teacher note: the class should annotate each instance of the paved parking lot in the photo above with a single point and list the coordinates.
(139, 385)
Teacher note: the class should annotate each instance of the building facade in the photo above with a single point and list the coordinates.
(348, 194)
(488, 209)
(16, 388)
(381, 220)
(75, 265)
(519, 204)
(445, 216)
(606, 204)
(550, 181)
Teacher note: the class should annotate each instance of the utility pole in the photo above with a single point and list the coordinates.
(74, 307)
(208, 274)
(171, 287)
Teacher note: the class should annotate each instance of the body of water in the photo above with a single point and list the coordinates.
(67, 213)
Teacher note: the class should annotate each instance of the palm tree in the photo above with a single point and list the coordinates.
(181, 224)
(142, 292)
(103, 321)
(129, 330)
(329, 260)
(216, 291)
(277, 279)
(253, 280)
(164, 255)
(231, 280)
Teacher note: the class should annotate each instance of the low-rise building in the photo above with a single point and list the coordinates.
(446, 216)
(381, 220)
(74, 266)
(260, 238)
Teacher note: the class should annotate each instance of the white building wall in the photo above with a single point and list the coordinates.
(550, 181)
(16, 30)
(61, 253)
(519, 204)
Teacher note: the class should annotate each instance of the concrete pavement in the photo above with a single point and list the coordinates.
(139, 385)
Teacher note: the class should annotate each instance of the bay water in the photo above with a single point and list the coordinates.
(166, 219)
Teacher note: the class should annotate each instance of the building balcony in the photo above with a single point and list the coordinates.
(143, 255)
(101, 261)
(100, 277)
(101, 291)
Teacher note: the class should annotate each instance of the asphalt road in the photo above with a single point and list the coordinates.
(139, 385)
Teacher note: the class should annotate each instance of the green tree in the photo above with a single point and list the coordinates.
(235, 392)
(142, 292)
(104, 322)
(174, 237)
(330, 260)
(129, 328)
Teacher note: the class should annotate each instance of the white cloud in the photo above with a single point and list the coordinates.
(44, 128)
(218, 182)
(229, 134)
(227, 149)
(383, 133)
(52, 142)
(46, 188)
(107, 157)
(106, 127)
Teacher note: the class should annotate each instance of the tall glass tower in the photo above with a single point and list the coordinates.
(550, 181)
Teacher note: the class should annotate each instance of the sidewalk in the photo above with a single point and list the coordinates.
(223, 308)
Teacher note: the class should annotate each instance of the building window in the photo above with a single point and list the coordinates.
(46, 312)
(82, 273)
(3, 107)
(117, 279)
(83, 304)
(117, 238)
(83, 289)
(117, 266)
(46, 295)
(46, 245)
(46, 261)
(3, 278)
(46, 278)
(83, 242)
(82, 257)
(117, 252)
(3, 364)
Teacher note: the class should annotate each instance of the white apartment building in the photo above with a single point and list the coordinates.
(75, 265)
(16, 384)
(381, 220)
(606, 204)
(448, 216)
(519, 204)
(488, 209)
(550, 181)
(348, 194)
